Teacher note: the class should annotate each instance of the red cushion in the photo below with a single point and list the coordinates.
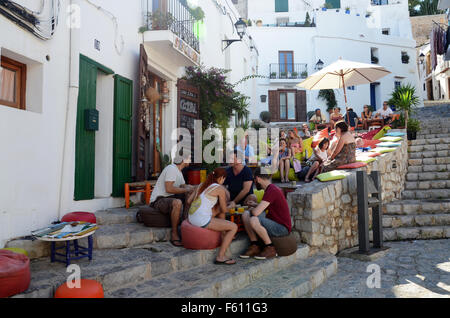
(14, 273)
(369, 135)
(355, 165)
(197, 238)
(375, 154)
(319, 136)
(370, 143)
(88, 289)
(80, 216)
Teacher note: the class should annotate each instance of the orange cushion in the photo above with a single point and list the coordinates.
(197, 238)
(14, 273)
(355, 165)
(319, 136)
(370, 143)
(89, 289)
(373, 155)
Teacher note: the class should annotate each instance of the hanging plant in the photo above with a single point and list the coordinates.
(329, 96)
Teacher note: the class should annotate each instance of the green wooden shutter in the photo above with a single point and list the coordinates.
(281, 5)
(335, 4)
(123, 111)
(85, 140)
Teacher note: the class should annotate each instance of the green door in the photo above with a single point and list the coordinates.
(85, 139)
(123, 112)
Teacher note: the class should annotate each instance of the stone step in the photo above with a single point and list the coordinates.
(435, 160)
(438, 129)
(420, 136)
(417, 207)
(115, 268)
(442, 147)
(428, 176)
(298, 280)
(416, 220)
(441, 156)
(426, 194)
(416, 233)
(427, 185)
(429, 167)
(128, 235)
(209, 280)
(434, 141)
(117, 216)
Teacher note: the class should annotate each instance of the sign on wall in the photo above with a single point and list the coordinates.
(188, 106)
(184, 48)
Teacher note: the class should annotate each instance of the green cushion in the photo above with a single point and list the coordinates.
(365, 159)
(292, 175)
(383, 150)
(388, 144)
(259, 195)
(307, 147)
(391, 139)
(381, 133)
(331, 176)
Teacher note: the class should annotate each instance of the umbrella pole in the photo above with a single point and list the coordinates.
(345, 97)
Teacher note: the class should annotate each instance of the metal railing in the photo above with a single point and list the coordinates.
(171, 15)
(379, 2)
(288, 71)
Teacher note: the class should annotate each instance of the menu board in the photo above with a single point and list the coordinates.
(188, 105)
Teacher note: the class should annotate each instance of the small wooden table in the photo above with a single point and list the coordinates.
(288, 188)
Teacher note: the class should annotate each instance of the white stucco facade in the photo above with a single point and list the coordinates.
(336, 34)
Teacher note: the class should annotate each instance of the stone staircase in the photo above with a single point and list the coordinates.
(134, 261)
(424, 212)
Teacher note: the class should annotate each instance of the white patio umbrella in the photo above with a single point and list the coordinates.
(342, 74)
(443, 4)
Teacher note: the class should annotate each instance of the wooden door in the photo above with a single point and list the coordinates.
(301, 106)
(274, 106)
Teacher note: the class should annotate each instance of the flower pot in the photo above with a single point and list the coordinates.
(412, 135)
(347, 11)
(324, 9)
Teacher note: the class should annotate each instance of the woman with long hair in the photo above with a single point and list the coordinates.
(295, 142)
(208, 208)
(336, 116)
(345, 150)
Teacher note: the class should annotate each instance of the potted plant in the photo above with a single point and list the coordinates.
(294, 74)
(368, 14)
(347, 10)
(273, 75)
(405, 99)
(304, 74)
(265, 116)
(374, 60)
(412, 128)
(283, 74)
(405, 58)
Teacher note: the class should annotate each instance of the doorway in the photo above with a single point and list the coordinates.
(430, 94)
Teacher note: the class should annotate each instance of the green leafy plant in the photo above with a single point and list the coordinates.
(283, 74)
(273, 75)
(399, 123)
(329, 96)
(413, 125)
(257, 126)
(304, 74)
(307, 20)
(294, 74)
(265, 116)
(404, 98)
(161, 20)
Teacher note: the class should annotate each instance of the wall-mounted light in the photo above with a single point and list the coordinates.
(263, 98)
(319, 65)
(421, 58)
(241, 27)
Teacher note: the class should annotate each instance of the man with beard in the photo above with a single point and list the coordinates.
(258, 225)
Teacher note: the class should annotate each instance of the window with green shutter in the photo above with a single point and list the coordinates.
(281, 5)
(333, 4)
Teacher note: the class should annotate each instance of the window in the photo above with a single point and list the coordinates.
(286, 63)
(386, 31)
(13, 76)
(374, 55)
(333, 4)
(397, 84)
(405, 58)
(351, 88)
(281, 5)
(287, 105)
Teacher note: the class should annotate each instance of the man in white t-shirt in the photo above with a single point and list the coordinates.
(385, 113)
(167, 194)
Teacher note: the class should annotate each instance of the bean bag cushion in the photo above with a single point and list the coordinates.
(319, 136)
(365, 159)
(292, 176)
(307, 149)
(89, 289)
(259, 195)
(369, 135)
(15, 250)
(388, 144)
(355, 165)
(370, 143)
(391, 139)
(197, 238)
(382, 132)
(375, 154)
(151, 217)
(331, 176)
(395, 134)
(383, 150)
(285, 245)
(80, 216)
(14, 273)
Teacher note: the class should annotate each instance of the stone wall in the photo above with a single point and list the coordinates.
(324, 215)
(422, 26)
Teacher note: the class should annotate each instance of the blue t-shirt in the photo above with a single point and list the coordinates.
(352, 116)
(235, 183)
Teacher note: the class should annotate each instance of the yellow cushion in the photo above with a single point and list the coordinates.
(16, 250)
(292, 175)
(365, 159)
(381, 133)
(259, 195)
(391, 139)
(383, 150)
(307, 147)
(331, 176)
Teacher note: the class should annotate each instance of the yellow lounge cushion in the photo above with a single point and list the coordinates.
(381, 133)
(391, 139)
(332, 176)
(383, 150)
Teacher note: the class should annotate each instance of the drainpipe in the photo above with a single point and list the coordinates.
(68, 161)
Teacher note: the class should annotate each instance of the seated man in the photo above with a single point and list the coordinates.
(318, 120)
(239, 182)
(353, 122)
(277, 223)
(168, 195)
(385, 113)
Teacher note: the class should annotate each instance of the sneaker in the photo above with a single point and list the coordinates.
(252, 251)
(268, 252)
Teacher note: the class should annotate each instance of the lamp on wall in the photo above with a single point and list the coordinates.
(319, 65)
(421, 58)
(241, 27)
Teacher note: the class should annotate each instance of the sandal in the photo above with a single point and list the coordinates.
(227, 262)
(176, 243)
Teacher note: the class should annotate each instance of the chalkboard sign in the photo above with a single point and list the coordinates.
(188, 105)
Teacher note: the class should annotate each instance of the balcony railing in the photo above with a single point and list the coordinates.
(174, 16)
(288, 71)
(379, 2)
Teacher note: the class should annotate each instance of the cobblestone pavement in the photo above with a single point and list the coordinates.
(409, 269)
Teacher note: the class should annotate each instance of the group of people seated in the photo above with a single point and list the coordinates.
(224, 189)
(351, 118)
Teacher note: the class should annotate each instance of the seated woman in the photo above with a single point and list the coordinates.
(305, 133)
(285, 161)
(365, 116)
(345, 150)
(295, 143)
(335, 117)
(317, 160)
(209, 205)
